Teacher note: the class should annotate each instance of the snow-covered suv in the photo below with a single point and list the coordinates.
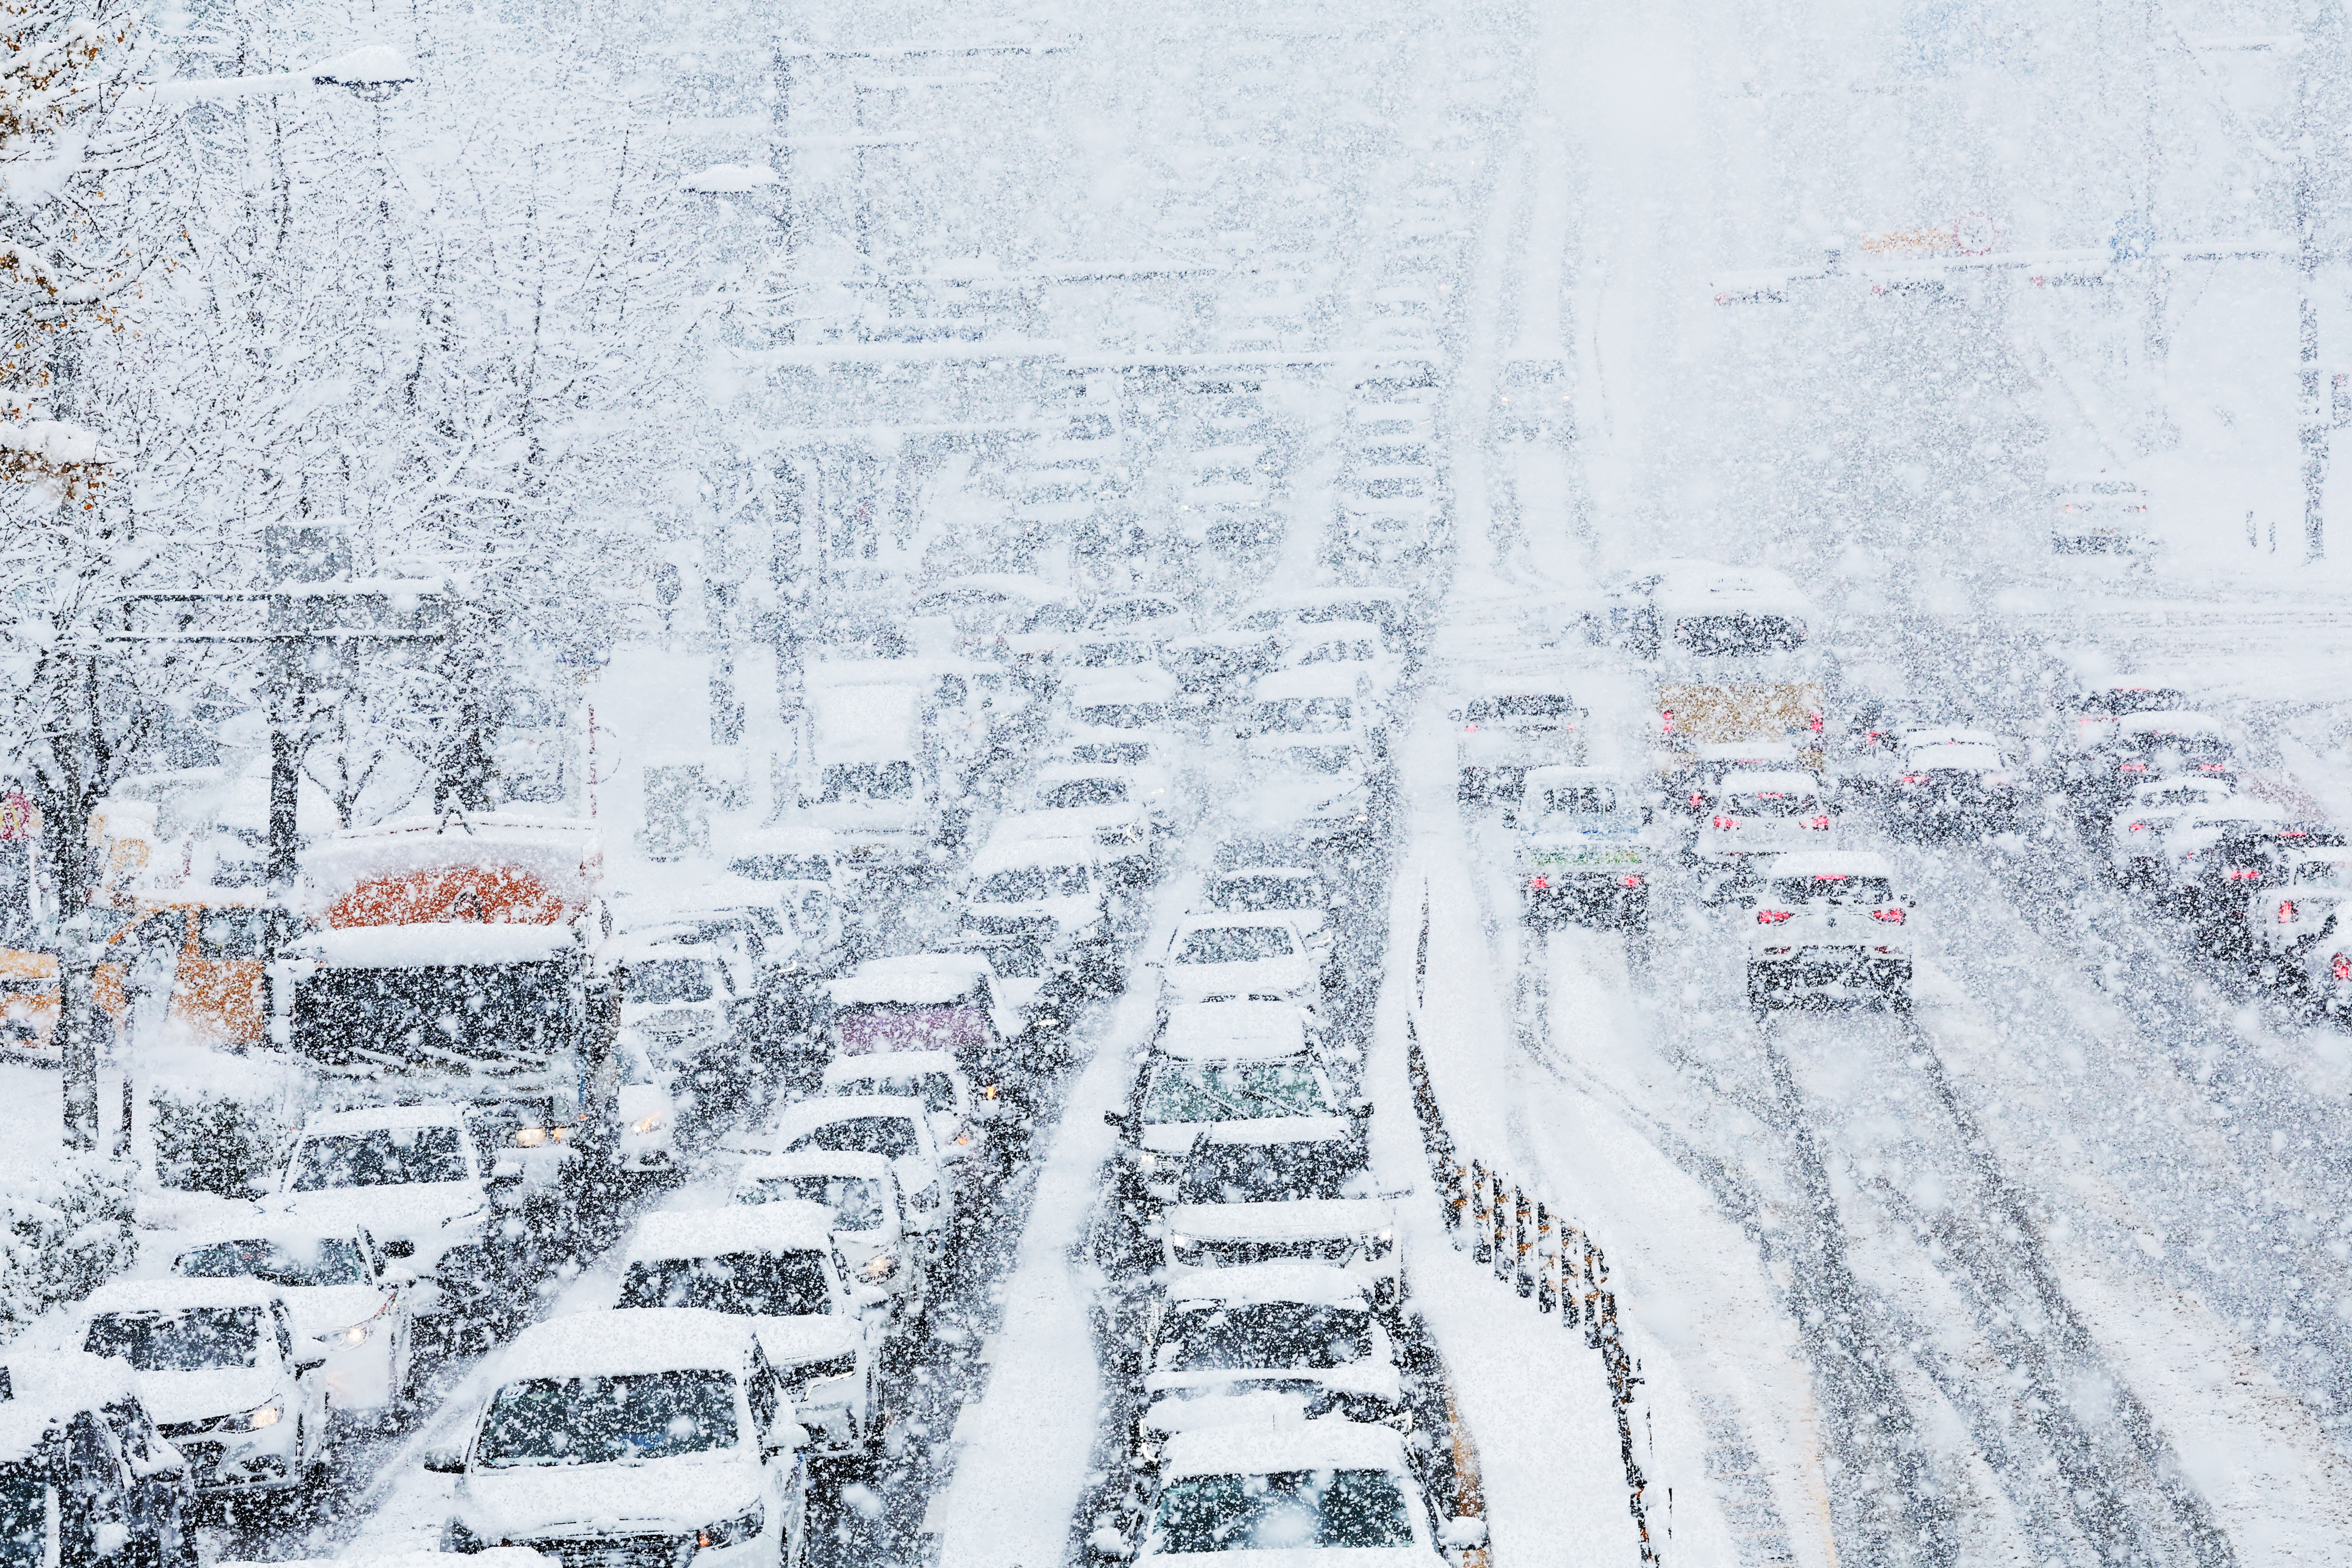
(1253, 958)
(1275, 1497)
(1828, 925)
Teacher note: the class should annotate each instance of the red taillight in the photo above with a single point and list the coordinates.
(1915, 779)
(2211, 766)
(2135, 767)
(2244, 874)
(1892, 917)
(2340, 967)
(1666, 722)
(1540, 882)
(1471, 728)
(1629, 881)
(1818, 823)
(1815, 720)
(1775, 951)
(1774, 917)
(1726, 823)
(1697, 801)
(2137, 828)
(2286, 912)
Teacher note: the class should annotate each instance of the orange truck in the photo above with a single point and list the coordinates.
(451, 963)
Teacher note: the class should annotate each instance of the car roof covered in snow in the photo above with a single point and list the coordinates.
(814, 1162)
(788, 1225)
(1254, 1450)
(1211, 920)
(260, 1226)
(1770, 781)
(1744, 752)
(435, 944)
(1046, 848)
(1967, 753)
(1829, 862)
(49, 1387)
(1292, 1219)
(643, 1338)
(1223, 1032)
(889, 1065)
(360, 1557)
(788, 840)
(367, 1118)
(1319, 1284)
(174, 1293)
(1117, 685)
(1313, 681)
(918, 978)
(1538, 778)
(2168, 721)
(644, 947)
(1926, 736)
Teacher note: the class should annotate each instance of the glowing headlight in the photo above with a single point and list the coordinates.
(1182, 1243)
(646, 1124)
(356, 1335)
(530, 1137)
(254, 1420)
(878, 1267)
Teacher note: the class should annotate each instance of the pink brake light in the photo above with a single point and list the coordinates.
(1818, 823)
(2340, 967)
(2286, 912)
(1890, 916)
(1774, 917)
(1629, 881)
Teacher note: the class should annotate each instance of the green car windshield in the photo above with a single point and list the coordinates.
(1232, 1091)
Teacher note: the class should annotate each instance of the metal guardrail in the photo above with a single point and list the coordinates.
(1544, 1257)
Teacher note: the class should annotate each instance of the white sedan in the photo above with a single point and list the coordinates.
(346, 1299)
(1260, 958)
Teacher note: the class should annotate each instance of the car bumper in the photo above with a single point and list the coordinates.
(361, 1376)
(1830, 971)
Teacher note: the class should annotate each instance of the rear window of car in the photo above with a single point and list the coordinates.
(1030, 883)
(1076, 794)
(1282, 1513)
(1770, 803)
(891, 1137)
(760, 1284)
(1234, 945)
(782, 868)
(1530, 705)
(1579, 800)
(1875, 891)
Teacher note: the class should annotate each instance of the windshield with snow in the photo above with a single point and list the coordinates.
(783, 867)
(1285, 1512)
(195, 1339)
(1303, 716)
(654, 982)
(1254, 891)
(858, 1203)
(889, 1135)
(563, 1421)
(1032, 885)
(324, 1260)
(1241, 1336)
(1232, 1091)
(1234, 945)
(380, 1157)
(761, 1285)
(1074, 793)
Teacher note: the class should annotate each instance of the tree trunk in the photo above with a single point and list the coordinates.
(81, 1029)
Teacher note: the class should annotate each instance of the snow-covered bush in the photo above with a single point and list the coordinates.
(63, 1232)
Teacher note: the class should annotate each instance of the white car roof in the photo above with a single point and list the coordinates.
(1017, 853)
(2168, 721)
(174, 1293)
(642, 1339)
(1770, 781)
(814, 1162)
(1316, 631)
(1829, 862)
(810, 840)
(789, 1225)
(656, 944)
(888, 1064)
(1214, 922)
(1744, 752)
(1955, 754)
(1952, 738)
(370, 1117)
(1119, 683)
(918, 978)
(1539, 777)
(1313, 681)
(1292, 1219)
(1252, 1450)
(1201, 1031)
(259, 1226)
(1317, 1284)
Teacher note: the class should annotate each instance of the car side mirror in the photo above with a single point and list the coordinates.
(1359, 1107)
(400, 1247)
(261, 1186)
(445, 1461)
(784, 1436)
(506, 1173)
(399, 1274)
(869, 1296)
(1119, 1119)
(306, 1364)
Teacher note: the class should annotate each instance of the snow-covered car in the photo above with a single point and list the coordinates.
(1256, 958)
(1233, 1095)
(790, 854)
(926, 1002)
(993, 614)
(1248, 647)
(2132, 828)
(347, 1299)
(1681, 609)
(1963, 780)
(409, 1175)
(1146, 759)
(2307, 887)
(1064, 894)
(1759, 815)
(896, 1127)
(1583, 847)
(1385, 608)
(1828, 925)
(1348, 648)
(1148, 617)
(773, 1263)
(1312, 799)
(609, 1437)
(2141, 746)
(1105, 652)
(86, 1478)
(1267, 1345)
(1077, 801)
(1356, 1235)
(2322, 968)
(1133, 696)
(2191, 861)
(869, 1217)
(1296, 1495)
(1299, 892)
(2091, 717)
(677, 997)
(648, 1105)
(218, 1365)
(1327, 711)
(960, 1113)
(1392, 497)
(1501, 732)
(2098, 515)
(1699, 774)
